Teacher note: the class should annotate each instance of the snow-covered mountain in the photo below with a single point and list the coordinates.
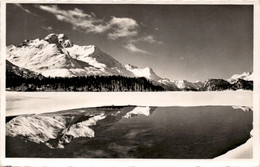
(181, 84)
(186, 85)
(216, 84)
(247, 76)
(21, 72)
(57, 56)
(221, 84)
(168, 84)
(145, 72)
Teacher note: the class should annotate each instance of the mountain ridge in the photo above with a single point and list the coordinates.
(57, 56)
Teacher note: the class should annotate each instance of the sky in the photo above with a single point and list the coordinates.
(190, 42)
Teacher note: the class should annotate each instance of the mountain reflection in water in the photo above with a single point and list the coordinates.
(130, 132)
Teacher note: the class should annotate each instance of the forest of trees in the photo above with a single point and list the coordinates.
(90, 83)
(19, 80)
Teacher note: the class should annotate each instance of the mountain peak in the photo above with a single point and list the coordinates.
(56, 55)
(51, 38)
(146, 72)
(130, 66)
(186, 85)
(148, 69)
(248, 76)
(62, 36)
(59, 39)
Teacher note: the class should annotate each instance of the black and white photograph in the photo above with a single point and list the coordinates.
(130, 81)
(63, 47)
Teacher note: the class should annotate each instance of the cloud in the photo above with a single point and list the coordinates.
(181, 58)
(24, 9)
(132, 48)
(147, 38)
(122, 27)
(118, 27)
(115, 28)
(47, 28)
(131, 43)
(78, 19)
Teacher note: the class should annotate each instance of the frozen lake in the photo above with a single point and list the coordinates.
(41, 102)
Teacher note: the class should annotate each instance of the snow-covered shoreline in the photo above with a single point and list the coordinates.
(244, 151)
(41, 102)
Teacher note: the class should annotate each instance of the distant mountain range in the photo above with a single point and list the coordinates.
(57, 56)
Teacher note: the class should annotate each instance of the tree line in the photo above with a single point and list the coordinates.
(89, 83)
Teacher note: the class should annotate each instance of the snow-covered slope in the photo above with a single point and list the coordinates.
(46, 57)
(168, 84)
(247, 76)
(145, 72)
(12, 69)
(186, 85)
(56, 55)
(98, 59)
(181, 84)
